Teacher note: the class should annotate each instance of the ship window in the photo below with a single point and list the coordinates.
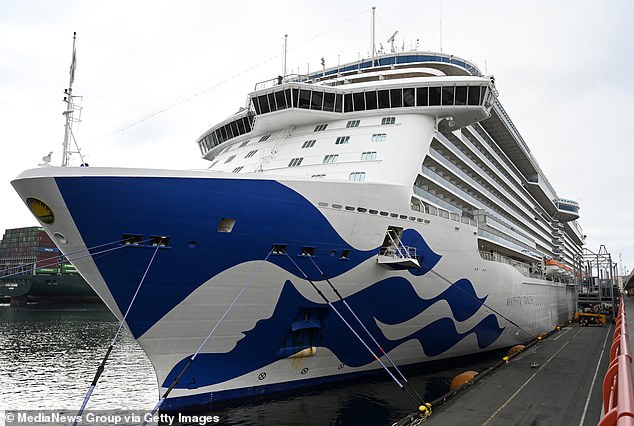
(237, 169)
(474, 95)
(357, 176)
(434, 96)
(329, 101)
(234, 129)
(287, 95)
(338, 102)
(388, 120)
(280, 99)
(461, 95)
(319, 176)
(271, 98)
(304, 99)
(245, 143)
(370, 100)
(251, 153)
(247, 123)
(362, 210)
(321, 128)
(264, 104)
(347, 104)
(241, 129)
(421, 96)
(384, 98)
(353, 123)
(329, 159)
(223, 133)
(396, 98)
(379, 137)
(316, 100)
(295, 98)
(359, 101)
(230, 158)
(408, 97)
(309, 144)
(349, 208)
(447, 95)
(265, 138)
(368, 156)
(226, 224)
(341, 140)
(256, 105)
(295, 162)
(345, 254)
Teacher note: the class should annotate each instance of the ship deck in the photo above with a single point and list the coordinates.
(564, 387)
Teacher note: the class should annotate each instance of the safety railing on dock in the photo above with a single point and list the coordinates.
(618, 392)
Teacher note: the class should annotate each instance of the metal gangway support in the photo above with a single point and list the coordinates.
(396, 255)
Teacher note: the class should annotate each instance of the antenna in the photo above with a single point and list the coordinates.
(440, 1)
(70, 109)
(373, 32)
(391, 41)
(285, 49)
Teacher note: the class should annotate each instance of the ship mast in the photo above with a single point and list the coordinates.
(68, 113)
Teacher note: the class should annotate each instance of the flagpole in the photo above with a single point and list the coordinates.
(68, 98)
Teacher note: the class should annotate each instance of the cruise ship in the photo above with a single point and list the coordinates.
(396, 186)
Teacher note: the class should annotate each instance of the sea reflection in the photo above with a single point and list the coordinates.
(49, 355)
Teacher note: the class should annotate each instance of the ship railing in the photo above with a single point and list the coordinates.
(400, 252)
(523, 268)
(618, 389)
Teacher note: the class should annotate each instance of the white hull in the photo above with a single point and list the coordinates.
(456, 268)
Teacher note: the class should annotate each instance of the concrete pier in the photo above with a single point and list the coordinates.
(557, 381)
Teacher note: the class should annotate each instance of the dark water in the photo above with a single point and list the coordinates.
(49, 355)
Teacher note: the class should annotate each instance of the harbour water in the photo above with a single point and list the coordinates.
(49, 355)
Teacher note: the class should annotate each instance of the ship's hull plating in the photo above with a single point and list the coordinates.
(279, 333)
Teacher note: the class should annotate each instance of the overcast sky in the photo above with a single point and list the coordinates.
(154, 75)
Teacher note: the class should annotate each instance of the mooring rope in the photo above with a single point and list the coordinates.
(63, 258)
(366, 330)
(102, 366)
(202, 345)
(442, 277)
(416, 400)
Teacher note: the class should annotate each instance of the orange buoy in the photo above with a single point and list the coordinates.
(461, 379)
(515, 349)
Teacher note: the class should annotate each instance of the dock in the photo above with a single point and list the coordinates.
(556, 381)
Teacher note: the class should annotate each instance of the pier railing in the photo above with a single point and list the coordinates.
(618, 392)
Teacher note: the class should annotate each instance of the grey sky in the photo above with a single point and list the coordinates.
(562, 69)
